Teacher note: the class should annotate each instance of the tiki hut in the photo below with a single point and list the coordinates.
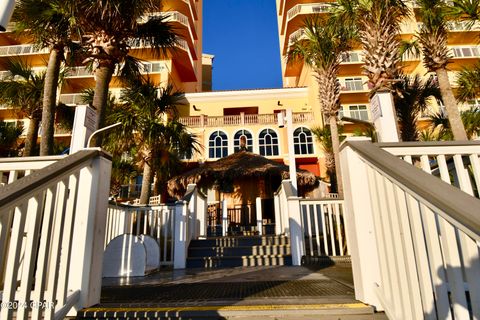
(242, 172)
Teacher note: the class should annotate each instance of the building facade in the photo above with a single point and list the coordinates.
(291, 14)
(182, 67)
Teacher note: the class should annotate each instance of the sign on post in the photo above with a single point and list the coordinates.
(83, 126)
(383, 117)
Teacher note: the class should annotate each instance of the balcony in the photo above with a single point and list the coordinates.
(293, 20)
(241, 119)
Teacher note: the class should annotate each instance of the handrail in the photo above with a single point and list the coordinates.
(457, 207)
(11, 192)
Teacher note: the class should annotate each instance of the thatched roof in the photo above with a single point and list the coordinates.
(237, 166)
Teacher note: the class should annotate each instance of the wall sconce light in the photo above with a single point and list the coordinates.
(278, 103)
(195, 108)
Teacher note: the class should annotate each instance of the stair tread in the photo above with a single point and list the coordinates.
(236, 257)
(242, 247)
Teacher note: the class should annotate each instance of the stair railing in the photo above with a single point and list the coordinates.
(51, 237)
(190, 223)
(413, 239)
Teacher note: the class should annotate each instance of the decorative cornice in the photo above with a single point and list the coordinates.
(256, 94)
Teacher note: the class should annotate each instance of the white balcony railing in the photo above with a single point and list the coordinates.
(147, 67)
(465, 52)
(24, 49)
(310, 8)
(236, 120)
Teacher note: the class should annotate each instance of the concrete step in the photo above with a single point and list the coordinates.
(238, 251)
(239, 261)
(240, 241)
(331, 311)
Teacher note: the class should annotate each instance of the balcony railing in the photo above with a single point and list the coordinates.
(242, 119)
(21, 50)
(308, 9)
(148, 67)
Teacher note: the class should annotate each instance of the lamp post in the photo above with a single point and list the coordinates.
(286, 120)
(6, 10)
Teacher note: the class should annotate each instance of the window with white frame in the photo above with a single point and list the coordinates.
(303, 141)
(243, 137)
(218, 145)
(358, 112)
(353, 84)
(268, 143)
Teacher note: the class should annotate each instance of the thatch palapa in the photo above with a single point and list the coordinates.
(240, 165)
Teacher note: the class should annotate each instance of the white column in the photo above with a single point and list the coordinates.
(180, 235)
(84, 124)
(296, 233)
(89, 233)
(384, 117)
(291, 151)
(6, 11)
(224, 217)
(201, 215)
(359, 225)
(278, 214)
(258, 207)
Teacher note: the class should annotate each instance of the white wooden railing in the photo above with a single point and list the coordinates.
(51, 234)
(455, 163)
(322, 224)
(156, 221)
(413, 239)
(315, 226)
(12, 169)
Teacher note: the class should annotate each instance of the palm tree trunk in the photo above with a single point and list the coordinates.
(103, 76)
(49, 101)
(146, 183)
(31, 139)
(450, 103)
(336, 153)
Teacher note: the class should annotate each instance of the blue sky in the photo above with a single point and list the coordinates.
(239, 31)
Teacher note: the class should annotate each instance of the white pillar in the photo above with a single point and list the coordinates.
(384, 117)
(359, 225)
(291, 151)
(89, 232)
(296, 232)
(258, 207)
(278, 214)
(180, 235)
(224, 217)
(6, 11)
(201, 215)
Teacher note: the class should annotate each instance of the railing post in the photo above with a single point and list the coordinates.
(242, 118)
(89, 232)
(224, 217)
(202, 215)
(278, 214)
(359, 225)
(258, 207)
(180, 235)
(296, 233)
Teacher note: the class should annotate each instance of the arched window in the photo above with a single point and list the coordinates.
(268, 143)
(303, 141)
(243, 137)
(218, 145)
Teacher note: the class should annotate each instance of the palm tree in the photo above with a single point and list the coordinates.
(470, 118)
(143, 113)
(51, 24)
(468, 81)
(377, 25)
(321, 48)
(324, 135)
(23, 90)
(9, 134)
(111, 28)
(411, 96)
(433, 38)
